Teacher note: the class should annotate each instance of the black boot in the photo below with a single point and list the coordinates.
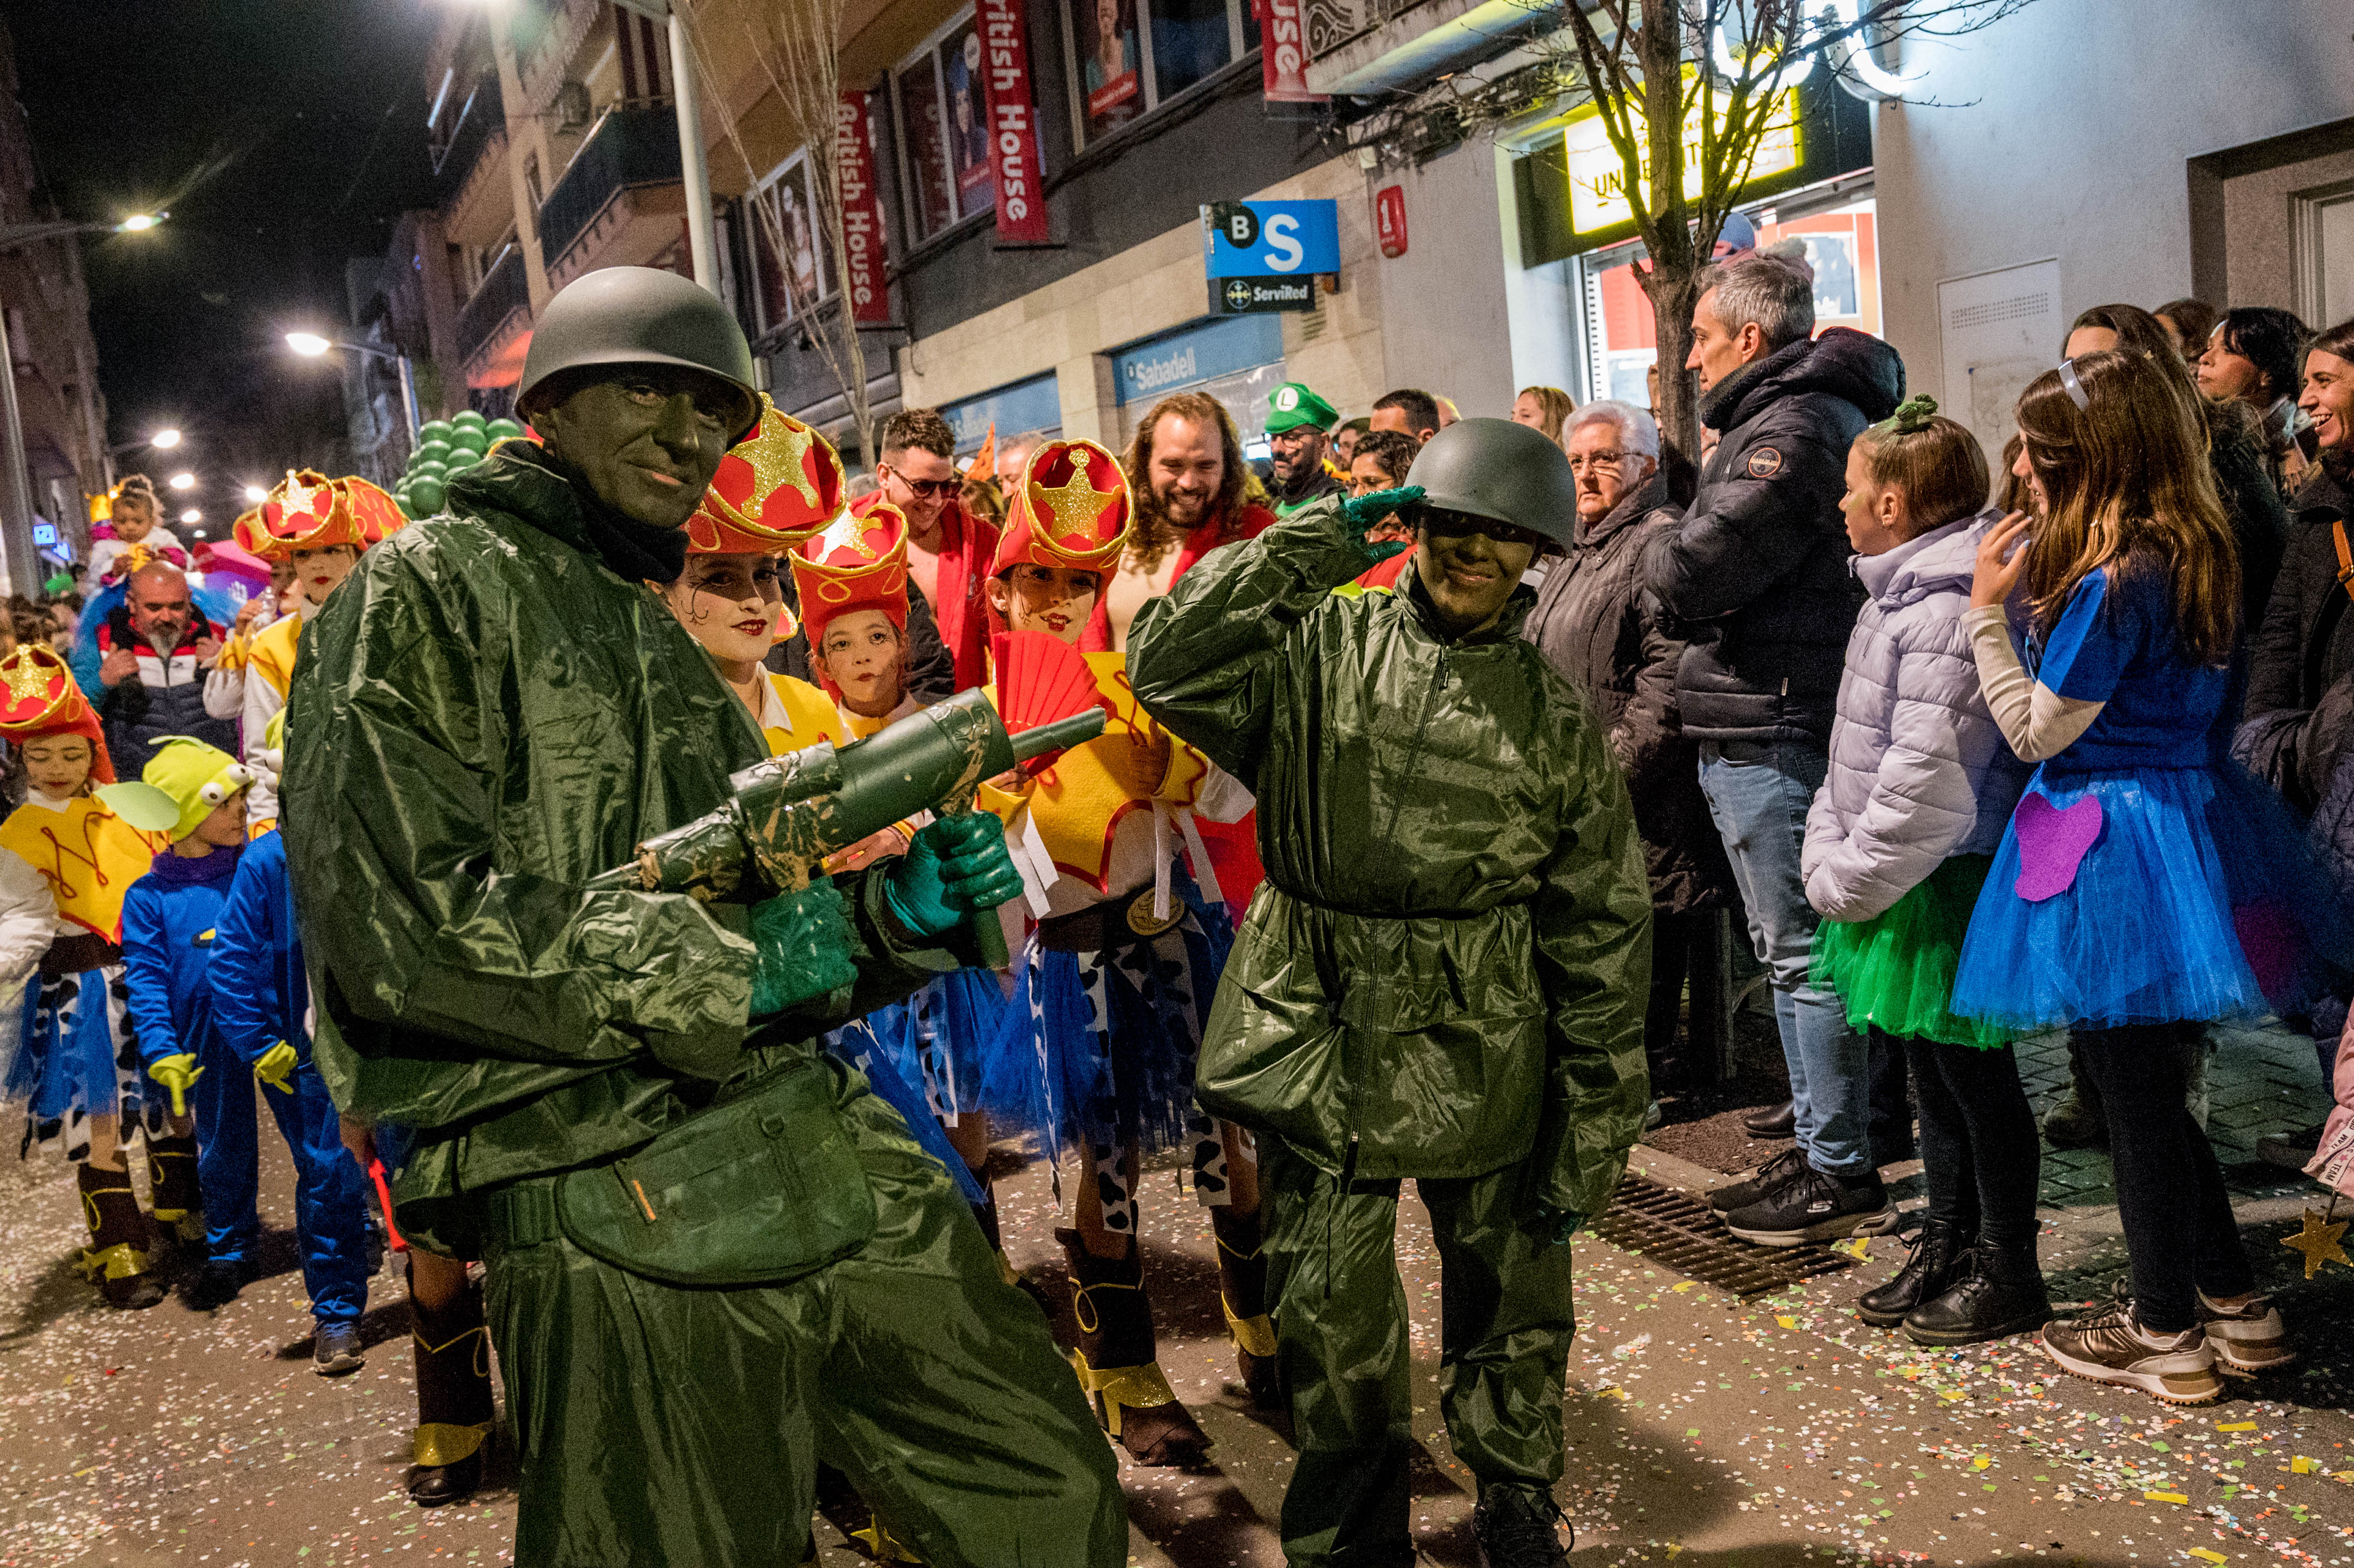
(2000, 1293)
(452, 1348)
(172, 1180)
(1936, 1263)
(1242, 1292)
(122, 1251)
(1519, 1527)
(1772, 1121)
(1118, 1366)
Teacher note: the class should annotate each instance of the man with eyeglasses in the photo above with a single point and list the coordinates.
(1298, 422)
(949, 549)
(1443, 978)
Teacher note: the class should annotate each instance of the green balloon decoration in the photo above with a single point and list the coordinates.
(467, 419)
(434, 451)
(502, 430)
(433, 431)
(459, 462)
(426, 497)
(470, 439)
(432, 468)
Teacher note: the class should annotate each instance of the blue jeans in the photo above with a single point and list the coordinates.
(1758, 795)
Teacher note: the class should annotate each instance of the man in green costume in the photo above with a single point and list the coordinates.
(1444, 977)
(691, 1310)
(1298, 439)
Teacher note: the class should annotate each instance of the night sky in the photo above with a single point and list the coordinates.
(284, 136)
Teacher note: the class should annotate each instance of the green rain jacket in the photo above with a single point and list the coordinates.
(1445, 971)
(482, 718)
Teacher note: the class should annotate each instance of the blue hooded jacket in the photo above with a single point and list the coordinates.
(261, 994)
(171, 920)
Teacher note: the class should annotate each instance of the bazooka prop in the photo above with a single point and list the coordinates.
(790, 812)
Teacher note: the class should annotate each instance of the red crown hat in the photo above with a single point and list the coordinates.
(859, 563)
(303, 511)
(246, 532)
(38, 699)
(1071, 509)
(375, 516)
(776, 487)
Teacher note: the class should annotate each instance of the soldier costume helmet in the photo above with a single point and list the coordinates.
(639, 315)
(1500, 471)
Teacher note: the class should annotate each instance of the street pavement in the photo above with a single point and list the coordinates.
(1752, 1433)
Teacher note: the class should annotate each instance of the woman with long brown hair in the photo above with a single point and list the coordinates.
(2145, 886)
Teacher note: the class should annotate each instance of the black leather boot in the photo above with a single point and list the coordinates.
(172, 1181)
(1936, 1263)
(1998, 1293)
(120, 1257)
(1117, 1363)
(453, 1348)
(1242, 1292)
(1772, 1121)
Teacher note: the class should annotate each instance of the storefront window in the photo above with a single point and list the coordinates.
(788, 252)
(1238, 361)
(1128, 55)
(1841, 245)
(943, 130)
(1010, 411)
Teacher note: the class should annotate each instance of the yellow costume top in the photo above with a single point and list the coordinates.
(1078, 804)
(795, 715)
(88, 855)
(271, 654)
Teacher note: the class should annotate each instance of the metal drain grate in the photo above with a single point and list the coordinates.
(1690, 1237)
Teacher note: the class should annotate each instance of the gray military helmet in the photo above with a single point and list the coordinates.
(1496, 469)
(639, 315)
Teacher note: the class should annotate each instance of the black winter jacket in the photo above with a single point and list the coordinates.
(1590, 625)
(1756, 577)
(2304, 648)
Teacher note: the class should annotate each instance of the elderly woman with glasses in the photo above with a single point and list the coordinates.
(1589, 623)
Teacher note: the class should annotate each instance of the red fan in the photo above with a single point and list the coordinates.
(1041, 679)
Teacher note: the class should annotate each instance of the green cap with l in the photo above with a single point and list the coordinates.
(1292, 405)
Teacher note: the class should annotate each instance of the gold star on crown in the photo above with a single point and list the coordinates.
(1077, 503)
(846, 533)
(777, 459)
(299, 498)
(28, 681)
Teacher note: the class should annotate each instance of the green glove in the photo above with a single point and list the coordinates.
(1382, 549)
(953, 869)
(1367, 510)
(179, 1074)
(1560, 1225)
(276, 1068)
(804, 944)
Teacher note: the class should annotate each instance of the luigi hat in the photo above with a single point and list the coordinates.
(1292, 405)
(185, 783)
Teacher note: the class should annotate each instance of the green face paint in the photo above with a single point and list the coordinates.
(647, 441)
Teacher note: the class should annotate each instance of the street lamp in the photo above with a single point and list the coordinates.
(165, 439)
(183, 481)
(192, 515)
(256, 495)
(311, 346)
(16, 478)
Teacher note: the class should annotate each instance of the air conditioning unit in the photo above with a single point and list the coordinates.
(572, 106)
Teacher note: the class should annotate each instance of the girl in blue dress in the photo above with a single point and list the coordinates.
(2145, 885)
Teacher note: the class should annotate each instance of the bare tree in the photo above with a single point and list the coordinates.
(798, 44)
(1652, 69)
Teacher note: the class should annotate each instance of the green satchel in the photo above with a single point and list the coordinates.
(759, 1190)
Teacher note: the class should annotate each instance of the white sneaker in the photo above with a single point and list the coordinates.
(2247, 1340)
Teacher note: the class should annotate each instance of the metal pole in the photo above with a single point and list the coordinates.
(694, 167)
(17, 521)
(408, 397)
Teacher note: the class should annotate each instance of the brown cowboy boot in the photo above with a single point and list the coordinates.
(1242, 1292)
(453, 1348)
(121, 1248)
(1119, 1368)
(172, 1181)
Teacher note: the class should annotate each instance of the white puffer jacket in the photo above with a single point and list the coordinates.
(1919, 770)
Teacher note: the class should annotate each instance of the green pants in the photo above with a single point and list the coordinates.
(662, 1425)
(1340, 1332)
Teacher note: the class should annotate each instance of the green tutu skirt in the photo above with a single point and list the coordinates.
(1895, 972)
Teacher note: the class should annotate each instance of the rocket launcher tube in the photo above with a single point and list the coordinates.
(790, 812)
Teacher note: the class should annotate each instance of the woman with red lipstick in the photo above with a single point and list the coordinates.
(318, 527)
(1127, 953)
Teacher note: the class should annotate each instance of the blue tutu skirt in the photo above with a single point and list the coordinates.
(2200, 899)
(75, 1056)
(1104, 1045)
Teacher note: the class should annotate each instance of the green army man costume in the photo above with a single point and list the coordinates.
(1444, 978)
(498, 711)
(1300, 431)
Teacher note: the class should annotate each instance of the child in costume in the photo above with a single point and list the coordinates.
(1119, 975)
(68, 860)
(194, 795)
(1898, 845)
(261, 1004)
(2145, 885)
(134, 517)
(320, 527)
(225, 687)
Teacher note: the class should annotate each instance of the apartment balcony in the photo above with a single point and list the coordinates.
(547, 32)
(622, 202)
(495, 326)
(470, 169)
